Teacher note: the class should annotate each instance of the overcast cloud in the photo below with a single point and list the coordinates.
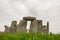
(47, 10)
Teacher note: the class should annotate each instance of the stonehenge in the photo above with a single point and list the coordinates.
(22, 26)
(6, 29)
(35, 26)
(13, 26)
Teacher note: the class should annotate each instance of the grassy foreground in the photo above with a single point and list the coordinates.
(29, 36)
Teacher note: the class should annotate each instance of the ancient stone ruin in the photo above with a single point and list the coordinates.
(35, 26)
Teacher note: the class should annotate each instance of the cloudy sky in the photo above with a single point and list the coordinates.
(46, 10)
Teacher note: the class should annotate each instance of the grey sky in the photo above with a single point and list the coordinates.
(47, 10)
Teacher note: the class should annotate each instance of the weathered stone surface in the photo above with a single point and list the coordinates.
(29, 18)
(39, 25)
(13, 26)
(44, 29)
(34, 26)
(6, 29)
(22, 26)
(47, 27)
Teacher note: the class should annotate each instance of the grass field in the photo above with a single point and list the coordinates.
(29, 36)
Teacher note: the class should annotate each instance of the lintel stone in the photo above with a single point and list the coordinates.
(29, 18)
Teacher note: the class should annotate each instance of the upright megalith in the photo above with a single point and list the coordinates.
(47, 27)
(34, 26)
(13, 26)
(39, 25)
(44, 29)
(22, 26)
(6, 29)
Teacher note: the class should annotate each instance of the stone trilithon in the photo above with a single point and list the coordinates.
(28, 24)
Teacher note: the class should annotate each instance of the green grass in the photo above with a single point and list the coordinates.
(29, 36)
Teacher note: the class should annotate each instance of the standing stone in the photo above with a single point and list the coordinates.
(44, 29)
(22, 26)
(6, 29)
(47, 27)
(13, 26)
(34, 25)
(39, 25)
